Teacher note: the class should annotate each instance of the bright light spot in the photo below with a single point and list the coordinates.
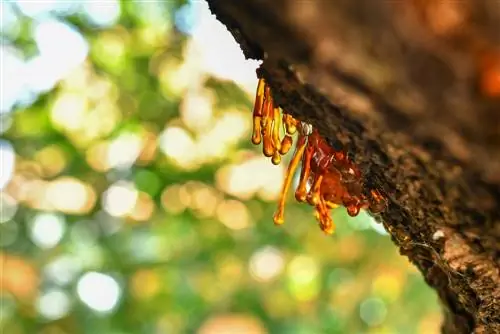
(52, 159)
(99, 122)
(266, 263)
(102, 14)
(175, 77)
(68, 111)
(153, 37)
(388, 285)
(7, 158)
(61, 41)
(232, 126)
(8, 207)
(70, 195)
(45, 75)
(61, 47)
(303, 278)
(120, 198)
(63, 269)
(228, 130)
(63, 8)
(175, 198)
(9, 24)
(231, 323)
(124, 150)
(270, 178)
(53, 304)
(303, 269)
(97, 156)
(12, 72)
(19, 277)
(255, 175)
(150, 12)
(110, 49)
(186, 17)
(145, 283)
(47, 229)
(224, 61)
(196, 110)
(149, 148)
(32, 194)
(98, 291)
(144, 207)
(204, 200)
(373, 311)
(35, 8)
(176, 143)
(239, 184)
(233, 214)
(42, 9)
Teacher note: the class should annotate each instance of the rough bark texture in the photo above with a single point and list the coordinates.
(411, 88)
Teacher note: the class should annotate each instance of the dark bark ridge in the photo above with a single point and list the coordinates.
(409, 108)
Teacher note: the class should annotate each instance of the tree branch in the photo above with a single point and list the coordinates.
(412, 89)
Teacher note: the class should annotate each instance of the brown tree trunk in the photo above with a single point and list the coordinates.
(413, 89)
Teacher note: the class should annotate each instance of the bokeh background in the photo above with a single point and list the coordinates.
(133, 202)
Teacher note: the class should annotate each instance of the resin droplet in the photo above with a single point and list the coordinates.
(257, 112)
(292, 167)
(286, 144)
(290, 124)
(328, 177)
(276, 159)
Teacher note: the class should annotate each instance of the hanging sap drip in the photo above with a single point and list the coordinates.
(328, 179)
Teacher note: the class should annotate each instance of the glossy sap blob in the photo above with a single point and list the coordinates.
(333, 179)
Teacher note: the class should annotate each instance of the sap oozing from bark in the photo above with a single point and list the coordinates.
(333, 178)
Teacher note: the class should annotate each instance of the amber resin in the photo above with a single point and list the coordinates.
(328, 177)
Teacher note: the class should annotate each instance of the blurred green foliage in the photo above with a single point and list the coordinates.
(137, 204)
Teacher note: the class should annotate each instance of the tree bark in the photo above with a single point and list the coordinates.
(412, 89)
